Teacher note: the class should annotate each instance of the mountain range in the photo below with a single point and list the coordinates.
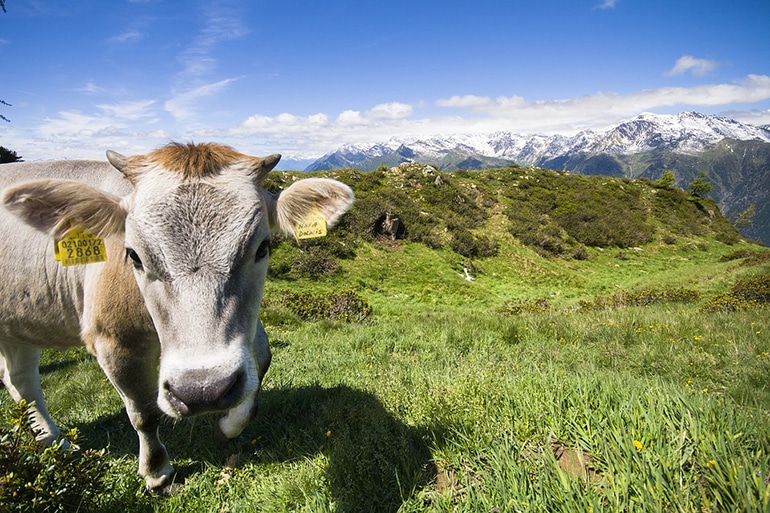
(735, 156)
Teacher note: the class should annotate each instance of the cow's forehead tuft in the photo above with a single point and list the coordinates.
(192, 161)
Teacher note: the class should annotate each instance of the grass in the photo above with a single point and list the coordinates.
(443, 400)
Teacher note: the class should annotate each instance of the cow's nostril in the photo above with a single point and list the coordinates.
(173, 397)
(195, 392)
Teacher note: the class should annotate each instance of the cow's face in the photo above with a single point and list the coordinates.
(199, 250)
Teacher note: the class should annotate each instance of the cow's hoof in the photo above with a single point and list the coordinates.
(164, 484)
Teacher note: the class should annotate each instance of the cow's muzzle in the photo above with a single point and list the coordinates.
(195, 391)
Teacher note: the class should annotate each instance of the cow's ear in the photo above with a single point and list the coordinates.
(261, 167)
(305, 198)
(55, 206)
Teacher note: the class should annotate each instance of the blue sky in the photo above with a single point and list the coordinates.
(302, 78)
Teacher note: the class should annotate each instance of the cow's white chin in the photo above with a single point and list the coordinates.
(236, 419)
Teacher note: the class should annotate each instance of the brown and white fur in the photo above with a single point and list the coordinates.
(172, 316)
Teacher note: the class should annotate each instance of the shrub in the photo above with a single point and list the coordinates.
(666, 180)
(579, 252)
(593, 212)
(314, 265)
(700, 187)
(51, 479)
(345, 306)
(641, 297)
(469, 245)
(520, 306)
(745, 294)
(751, 256)
(736, 255)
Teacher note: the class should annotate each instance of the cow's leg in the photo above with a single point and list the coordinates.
(132, 368)
(236, 420)
(21, 376)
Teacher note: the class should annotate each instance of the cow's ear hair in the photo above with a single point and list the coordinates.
(55, 206)
(261, 167)
(307, 197)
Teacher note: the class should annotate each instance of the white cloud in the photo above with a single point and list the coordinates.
(186, 105)
(755, 117)
(393, 110)
(124, 126)
(698, 67)
(221, 24)
(75, 124)
(607, 4)
(314, 135)
(129, 110)
(570, 114)
(92, 88)
(131, 36)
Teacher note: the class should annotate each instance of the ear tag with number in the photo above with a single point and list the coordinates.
(79, 247)
(311, 227)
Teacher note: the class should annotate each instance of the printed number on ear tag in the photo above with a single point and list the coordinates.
(79, 247)
(311, 227)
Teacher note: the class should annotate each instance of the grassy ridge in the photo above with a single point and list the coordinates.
(534, 387)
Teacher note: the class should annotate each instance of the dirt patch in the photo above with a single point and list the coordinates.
(574, 462)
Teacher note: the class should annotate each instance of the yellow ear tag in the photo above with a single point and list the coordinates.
(79, 247)
(311, 227)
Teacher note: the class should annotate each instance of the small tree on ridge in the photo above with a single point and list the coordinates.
(700, 186)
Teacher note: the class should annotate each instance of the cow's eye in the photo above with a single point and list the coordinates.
(262, 251)
(135, 260)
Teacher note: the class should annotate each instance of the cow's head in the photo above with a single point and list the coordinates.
(197, 230)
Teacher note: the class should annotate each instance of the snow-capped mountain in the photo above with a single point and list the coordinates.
(685, 133)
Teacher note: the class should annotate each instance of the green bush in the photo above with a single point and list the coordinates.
(746, 294)
(520, 306)
(345, 305)
(552, 211)
(737, 255)
(469, 245)
(641, 297)
(751, 256)
(33, 479)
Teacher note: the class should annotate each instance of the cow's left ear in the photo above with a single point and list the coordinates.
(308, 197)
(55, 206)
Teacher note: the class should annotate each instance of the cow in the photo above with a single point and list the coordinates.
(172, 314)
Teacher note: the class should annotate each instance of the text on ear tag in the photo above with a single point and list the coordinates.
(311, 227)
(79, 247)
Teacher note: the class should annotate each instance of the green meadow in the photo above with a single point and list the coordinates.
(515, 367)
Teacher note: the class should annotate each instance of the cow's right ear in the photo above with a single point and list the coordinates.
(55, 206)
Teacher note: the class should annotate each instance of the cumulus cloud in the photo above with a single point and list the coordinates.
(567, 115)
(698, 67)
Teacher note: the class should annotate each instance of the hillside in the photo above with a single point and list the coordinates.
(735, 156)
(476, 213)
